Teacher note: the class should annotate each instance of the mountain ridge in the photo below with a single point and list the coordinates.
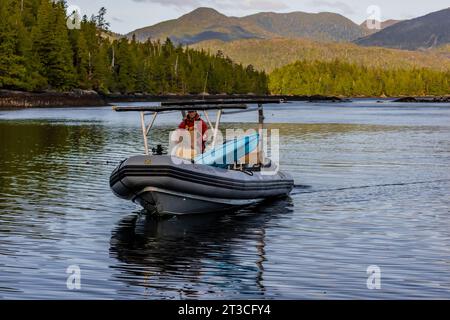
(429, 31)
(208, 24)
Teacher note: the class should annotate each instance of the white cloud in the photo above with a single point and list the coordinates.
(222, 4)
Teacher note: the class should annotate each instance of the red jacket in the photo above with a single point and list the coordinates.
(188, 124)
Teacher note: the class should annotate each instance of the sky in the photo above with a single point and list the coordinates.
(128, 15)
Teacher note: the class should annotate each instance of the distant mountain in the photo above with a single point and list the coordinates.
(208, 24)
(383, 25)
(318, 26)
(429, 31)
(199, 25)
(269, 54)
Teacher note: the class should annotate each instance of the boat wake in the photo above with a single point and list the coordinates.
(302, 189)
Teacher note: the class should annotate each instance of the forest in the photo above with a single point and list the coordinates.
(38, 51)
(353, 80)
(271, 54)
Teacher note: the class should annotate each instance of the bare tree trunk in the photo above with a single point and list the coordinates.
(176, 67)
(206, 83)
(90, 67)
(113, 60)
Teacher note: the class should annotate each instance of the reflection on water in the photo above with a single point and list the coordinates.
(372, 189)
(175, 253)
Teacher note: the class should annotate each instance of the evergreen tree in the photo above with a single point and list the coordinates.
(13, 73)
(38, 51)
(52, 46)
(81, 59)
(341, 78)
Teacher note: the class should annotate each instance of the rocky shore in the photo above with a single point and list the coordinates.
(82, 98)
(87, 98)
(75, 98)
(445, 99)
(112, 98)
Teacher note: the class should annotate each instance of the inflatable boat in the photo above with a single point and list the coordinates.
(209, 182)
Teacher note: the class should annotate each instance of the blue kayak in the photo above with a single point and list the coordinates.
(229, 153)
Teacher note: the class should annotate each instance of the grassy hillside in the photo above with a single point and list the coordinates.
(274, 53)
(443, 51)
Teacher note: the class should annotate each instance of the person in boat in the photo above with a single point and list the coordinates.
(193, 122)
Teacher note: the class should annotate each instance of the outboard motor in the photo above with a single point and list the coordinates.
(158, 151)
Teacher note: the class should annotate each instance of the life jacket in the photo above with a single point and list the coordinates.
(190, 123)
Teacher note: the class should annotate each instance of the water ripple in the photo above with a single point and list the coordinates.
(371, 189)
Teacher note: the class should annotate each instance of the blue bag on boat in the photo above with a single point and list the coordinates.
(230, 152)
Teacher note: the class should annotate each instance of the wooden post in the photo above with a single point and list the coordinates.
(260, 132)
(144, 132)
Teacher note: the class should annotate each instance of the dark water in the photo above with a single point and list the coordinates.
(373, 184)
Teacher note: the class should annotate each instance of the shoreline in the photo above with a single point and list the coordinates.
(10, 99)
(158, 98)
(428, 99)
(86, 98)
(22, 100)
